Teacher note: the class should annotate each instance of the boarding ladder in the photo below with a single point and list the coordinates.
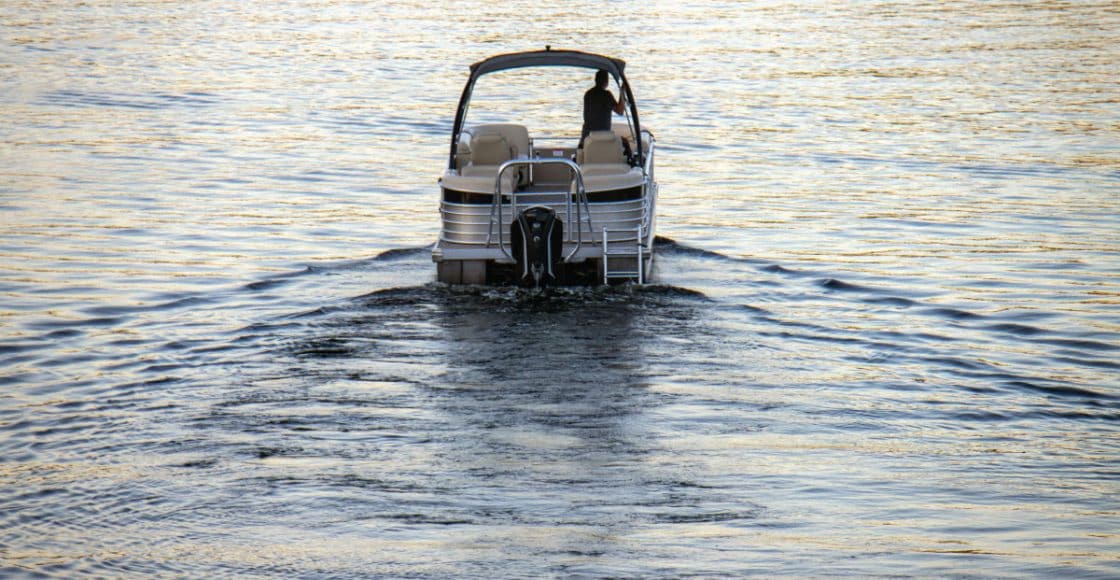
(626, 247)
(631, 246)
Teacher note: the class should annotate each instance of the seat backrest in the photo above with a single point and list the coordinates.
(490, 150)
(516, 135)
(602, 147)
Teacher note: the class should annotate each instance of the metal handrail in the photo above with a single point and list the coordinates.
(580, 195)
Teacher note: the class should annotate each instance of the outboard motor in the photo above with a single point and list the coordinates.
(537, 240)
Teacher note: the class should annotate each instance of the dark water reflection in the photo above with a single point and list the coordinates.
(514, 424)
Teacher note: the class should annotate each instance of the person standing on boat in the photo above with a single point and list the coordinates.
(598, 104)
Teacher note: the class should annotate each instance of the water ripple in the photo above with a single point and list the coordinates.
(881, 334)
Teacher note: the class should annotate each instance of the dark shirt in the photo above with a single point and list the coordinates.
(598, 104)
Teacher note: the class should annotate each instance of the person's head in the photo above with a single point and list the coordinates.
(601, 79)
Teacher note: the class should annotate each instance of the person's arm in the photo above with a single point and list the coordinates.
(620, 104)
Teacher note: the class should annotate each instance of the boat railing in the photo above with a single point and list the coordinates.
(581, 208)
(649, 197)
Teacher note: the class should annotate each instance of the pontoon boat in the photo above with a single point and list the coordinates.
(542, 210)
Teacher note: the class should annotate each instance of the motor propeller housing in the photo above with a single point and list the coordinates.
(537, 238)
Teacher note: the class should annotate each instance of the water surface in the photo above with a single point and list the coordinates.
(883, 335)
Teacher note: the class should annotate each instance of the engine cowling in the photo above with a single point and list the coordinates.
(537, 238)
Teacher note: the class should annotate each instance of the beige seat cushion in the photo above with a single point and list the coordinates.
(479, 179)
(516, 135)
(605, 177)
(490, 150)
(604, 149)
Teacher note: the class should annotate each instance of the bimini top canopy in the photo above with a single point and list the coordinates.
(548, 57)
(542, 58)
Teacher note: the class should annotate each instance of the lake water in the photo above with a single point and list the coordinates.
(883, 337)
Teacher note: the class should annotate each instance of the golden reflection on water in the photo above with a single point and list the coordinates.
(952, 165)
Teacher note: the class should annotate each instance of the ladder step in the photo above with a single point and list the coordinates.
(627, 247)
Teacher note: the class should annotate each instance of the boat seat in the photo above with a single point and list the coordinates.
(488, 152)
(603, 148)
(602, 155)
(607, 177)
(602, 161)
(478, 183)
(517, 136)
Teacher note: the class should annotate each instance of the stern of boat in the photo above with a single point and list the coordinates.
(553, 216)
